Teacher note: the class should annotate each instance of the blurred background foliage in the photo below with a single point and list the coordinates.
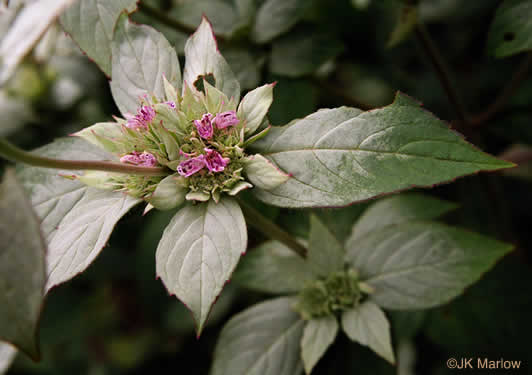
(117, 318)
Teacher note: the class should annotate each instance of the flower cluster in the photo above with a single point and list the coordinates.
(340, 291)
(198, 136)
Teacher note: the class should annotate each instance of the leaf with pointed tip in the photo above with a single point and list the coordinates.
(198, 252)
(399, 209)
(273, 268)
(367, 325)
(340, 156)
(141, 57)
(274, 17)
(262, 340)
(103, 135)
(91, 23)
(254, 106)
(262, 173)
(303, 51)
(76, 220)
(318, 335)
(511, 31)
(202, 58)
(7, 355)
(29, 26)
(325, 253)
(22, 268)
(418, 265)
(169, 193)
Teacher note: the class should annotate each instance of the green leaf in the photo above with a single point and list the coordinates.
(368, 326)
(7, 356)
(141, 58)
(399, 209)
(303, 52)
(245, 65)
(273, 268)
(169, 193)
(274, 17)
(262, 340)
(103, 135)
(22, 268)
(418, 265)
(318, 335)
(91, 23)
(254, 106)
(262, 173)
(198, 252)
(202, 58)
(340, 156)
(511, 31)
(325, 253)
(76, 220)
(294, 98)
(222, 14)
(29, 26)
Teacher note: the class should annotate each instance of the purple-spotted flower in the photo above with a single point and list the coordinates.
(204, 126)
(188, 167)
(144, 159)
(226, 119)
(214, 160)
(171, 104)
(142, 119)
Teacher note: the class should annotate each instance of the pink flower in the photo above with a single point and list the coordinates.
(226, 119)
(214, 161)
(204, 126)
(188, 167)
(144, 159)
(142, 119)
(170, 104)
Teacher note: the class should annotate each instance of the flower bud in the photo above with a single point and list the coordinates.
(144, 159)
(204, 126)
(142, 119)
(226, 119)
(188, 167)
(214, 161)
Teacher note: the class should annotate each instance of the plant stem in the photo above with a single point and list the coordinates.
(441, 71)
(13, 153)
(270, 229)
(168, 21)
(505, 95)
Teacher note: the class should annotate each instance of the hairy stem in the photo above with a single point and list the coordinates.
(270, 229)
(441, 71)
(505, 95)
(13, 153)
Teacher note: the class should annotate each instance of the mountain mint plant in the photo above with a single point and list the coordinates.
(187, 141)
(398, 264)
